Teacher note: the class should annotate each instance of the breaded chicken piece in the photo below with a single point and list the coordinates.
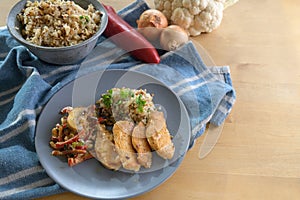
(105, 149)
(141, 145)
(158, 135)
(122, 131)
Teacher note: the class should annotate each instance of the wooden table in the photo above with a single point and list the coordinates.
(258, 153)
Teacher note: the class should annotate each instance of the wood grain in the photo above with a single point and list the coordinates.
(258, 153)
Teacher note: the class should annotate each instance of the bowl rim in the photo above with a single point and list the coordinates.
(11, 18)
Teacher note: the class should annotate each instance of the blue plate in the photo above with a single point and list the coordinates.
(90, 178)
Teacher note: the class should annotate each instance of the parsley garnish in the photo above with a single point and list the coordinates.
(87, 19)
(107, 98)
(140, 103)
(124, 93)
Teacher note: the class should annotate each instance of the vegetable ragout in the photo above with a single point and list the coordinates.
(67, 141)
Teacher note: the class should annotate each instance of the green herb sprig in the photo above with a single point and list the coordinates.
(107, 98)
(84, 18)
(140, 103)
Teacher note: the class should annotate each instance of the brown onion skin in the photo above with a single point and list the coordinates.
(152, 18)
(150, 24)
(173, 37)
(151, 33)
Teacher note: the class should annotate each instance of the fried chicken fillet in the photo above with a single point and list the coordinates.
(122, 131)
(105, 149)
(141, 145)
(158, 135)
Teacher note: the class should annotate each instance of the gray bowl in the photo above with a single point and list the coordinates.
(57, 55)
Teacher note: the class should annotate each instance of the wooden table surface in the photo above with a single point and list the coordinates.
(258, 153)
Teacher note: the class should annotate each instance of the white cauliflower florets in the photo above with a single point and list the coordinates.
(195, 16)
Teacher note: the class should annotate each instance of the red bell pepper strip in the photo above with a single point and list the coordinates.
(68, 152)
(79, 159)
(59, 145)
(128, 38)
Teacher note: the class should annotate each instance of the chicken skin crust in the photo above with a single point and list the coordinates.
(122, 131)
(141, 145)
(158, 135)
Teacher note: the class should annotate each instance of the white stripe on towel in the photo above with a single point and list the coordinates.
(193, 87)
(222, 109)
(31, 186)
(58, 70)
(21, 174)
(26, 112)
(132, 9)
(100, 57)
(17, 131)
(92, 60)
(229, 99)
(191, 79)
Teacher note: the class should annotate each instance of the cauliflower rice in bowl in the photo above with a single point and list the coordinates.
(52, 33)
(56, 23)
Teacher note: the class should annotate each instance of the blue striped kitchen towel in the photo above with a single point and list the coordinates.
(26, 84)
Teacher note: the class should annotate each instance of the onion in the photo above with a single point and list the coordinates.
(173, 37)
(150, 24)
(151, 33)
(152, 18)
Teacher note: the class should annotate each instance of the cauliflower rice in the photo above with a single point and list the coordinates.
(57, 23)
(125, 104)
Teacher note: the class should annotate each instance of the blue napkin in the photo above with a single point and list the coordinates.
(26, 84)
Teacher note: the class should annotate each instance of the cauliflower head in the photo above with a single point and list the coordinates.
(195, 16)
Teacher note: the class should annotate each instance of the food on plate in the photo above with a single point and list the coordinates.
(122, 129)
(105, 148)
(173, 37)
(150, 24)
(98, 140)
(122, 136)
(125, 104)
(74, 117)
(79, 136)
(141, 145)
(158, 135)
(195, 17)
(67, 141)
(128, 38)
(57, 23)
